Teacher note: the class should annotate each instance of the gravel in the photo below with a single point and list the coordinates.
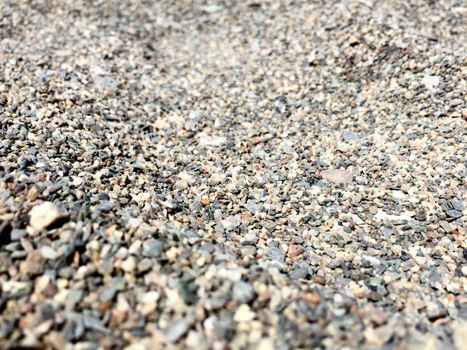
(233, 174)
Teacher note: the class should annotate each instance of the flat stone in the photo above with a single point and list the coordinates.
(213, 141)
(457, 204)
(454, 213)
(350, 136)
(431, 82)
(337, 176)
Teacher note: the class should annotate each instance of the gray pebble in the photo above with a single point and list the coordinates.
(107, 294)
(177, 330)
(243, 292)
(153, 248)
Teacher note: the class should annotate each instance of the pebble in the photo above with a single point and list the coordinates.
(454, 214)
(48, 253)
(214, 141)
(244, 314)
(153, 248)
(177, 330)
(350, 136)
(431, 81)
(243, 292)
(44, 215)
(107, 294)
(337, 176)
(435, 310)
(129, 265)
(276, 254)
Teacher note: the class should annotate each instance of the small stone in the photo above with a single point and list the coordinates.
(454, 213)
(44, 215)
(129, 265)
(93, 323)
(276, 254)
(177, 330)
(337, 176)
(350, 136)
(232, 222)
(371, 260)
(435, 310)
(145, 265)
(299, 272)
(122, 253)
(153, 248)
(373, 209)
(378, 316)
(211, 8)
(253, 207)
(105, 206)
(48, 252)
(214, 141)
(446, 226)
(50, 290)
(464, 113)
(17, 234)
(34, 263)
(73, 297)
(244, 314)
(107, 294)
(431, 81)
(455, 102)
(148, 302)
(243, 292)
(104, 83)
(182, 184)
(435, 280)
(33, 194)
(457, 204)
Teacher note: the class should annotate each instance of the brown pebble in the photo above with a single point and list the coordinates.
(320, 280)
(34, 264)
(373, 209)
(313, 298)
(295, 250)
(378, 316)
(117, 318)
(50, 290)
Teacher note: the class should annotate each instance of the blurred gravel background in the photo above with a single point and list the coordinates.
(233, 175)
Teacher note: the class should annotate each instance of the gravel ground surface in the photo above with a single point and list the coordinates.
(235, 175)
